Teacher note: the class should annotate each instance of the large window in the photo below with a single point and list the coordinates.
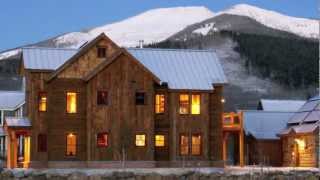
(102, 98)
(71, 144)
(140, 98)
(102, 139)
(184, 104)
(184, 145)
(195, 104)
(42, 101)
(159, 103)
(160, 140)
(42, 143)
(71, 102)
(140, 140)
(196, 144)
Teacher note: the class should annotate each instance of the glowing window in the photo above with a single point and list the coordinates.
(195, 104)
(159, 103)
(42, 102)
(184, 104)
(184, 145)
(71, 144)
(159, 140)
(196, 145)
(71, 102)
(102, 139)
(140, 140)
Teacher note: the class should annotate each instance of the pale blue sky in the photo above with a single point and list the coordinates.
(28, 21)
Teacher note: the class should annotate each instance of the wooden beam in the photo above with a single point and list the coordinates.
(241, 140)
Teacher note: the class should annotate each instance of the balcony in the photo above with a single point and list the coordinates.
(232, 121)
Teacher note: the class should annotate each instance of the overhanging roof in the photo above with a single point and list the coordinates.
(11, 100)
(17, 122)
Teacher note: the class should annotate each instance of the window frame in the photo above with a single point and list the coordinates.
(45, 140)
(164, 140)
(66, 103)
(76, 145)
(102, 104)
(191, 99)
(144, 98)
(188, 108)
(97, 144)
(99, 48)
(159, 105)
(145, 140)
(188, 144)
(40, 101)
(200, 145)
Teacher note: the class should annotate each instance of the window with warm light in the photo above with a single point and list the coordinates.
(102, 98)
(71, 102)
(102, 139)
(159, 106)
(42, 101)
(196, 144)
(184, 104)
(195, 104)
(71, 144)
(140, 140)
(159, 141)
(184, 145)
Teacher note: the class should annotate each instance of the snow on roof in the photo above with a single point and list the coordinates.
(46, 58)
(265, 125)
(17, 122)
(11, 100)
(182, 69)
(309, 112)
(300, 129)
(281, 105)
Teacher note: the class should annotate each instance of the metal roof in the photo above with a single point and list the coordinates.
(182, 69)
(309, 112)
(11, 100)
(300, 129)
(281, 105)
(17, 122)
(37, 58)
(265, 124)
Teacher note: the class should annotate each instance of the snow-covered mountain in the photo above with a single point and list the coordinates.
(159, 24)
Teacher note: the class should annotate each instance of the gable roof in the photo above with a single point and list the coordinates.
(182, 68)
(11, 100)
(265, 125)
(38, 58)
(281, 105)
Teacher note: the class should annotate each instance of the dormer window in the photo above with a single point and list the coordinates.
(102, 52)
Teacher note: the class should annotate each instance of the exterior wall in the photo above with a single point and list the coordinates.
(121, 118)
(295, 155)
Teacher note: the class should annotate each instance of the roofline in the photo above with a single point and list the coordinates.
(14, 108)
(172, 49)
(52, 48)
(252, 110)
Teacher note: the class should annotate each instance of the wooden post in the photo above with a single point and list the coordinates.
(241, 140)
(225, 138)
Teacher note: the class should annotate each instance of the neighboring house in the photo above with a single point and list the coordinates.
(11, 105)
(300, 139)
(280, 105)
(101, 104)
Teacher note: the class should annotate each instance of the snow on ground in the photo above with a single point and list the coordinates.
(301, 26)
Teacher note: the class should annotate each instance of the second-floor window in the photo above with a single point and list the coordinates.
(159, 103)
(42, 101)
(184, 104)
(102, 98)
(71, 102)
(140, 98)
(195, 104)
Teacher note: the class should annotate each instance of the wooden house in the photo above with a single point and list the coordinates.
(106, 106)
(300, 139)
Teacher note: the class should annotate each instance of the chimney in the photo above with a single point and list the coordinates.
(141, 44)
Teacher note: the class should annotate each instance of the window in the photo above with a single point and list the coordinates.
(196, 144)
(71, 102)
(102, 139)
(159, 141)
(184, 145)
(102, 52)
(140, 98)
(140, 140)
(71, 144)
(42, 143)
(184, 104)
(195, 104)
(102, 98)
(42, 99)
(159, 106)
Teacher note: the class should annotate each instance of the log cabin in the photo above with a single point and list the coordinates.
(106, 106)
